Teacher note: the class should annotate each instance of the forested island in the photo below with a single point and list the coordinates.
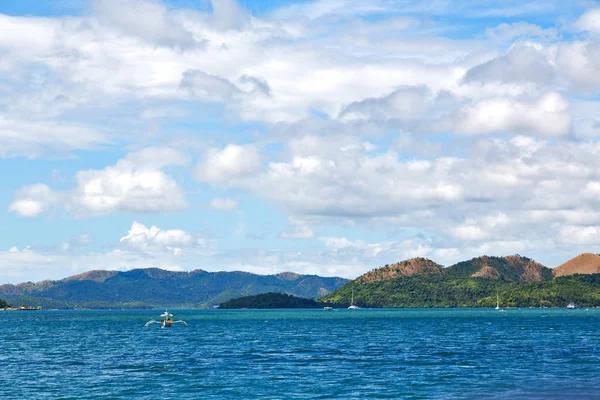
(4, 304)
(271, 300)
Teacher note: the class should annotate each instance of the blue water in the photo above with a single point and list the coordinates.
(302, 354)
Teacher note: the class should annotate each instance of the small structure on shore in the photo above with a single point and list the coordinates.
(166, 320)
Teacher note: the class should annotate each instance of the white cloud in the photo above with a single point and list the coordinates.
(547, 116)
(229, 165)
(142, 238)
(228, 14)
(31, 201)
(147, 20)
(525, 64)
(136, 183)
(520, 29)
(581, 235)
(223, 204)
(589, 21)
(483, 228)
(579, 61)
(403, 103)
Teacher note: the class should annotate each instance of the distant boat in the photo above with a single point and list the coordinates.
(497, 301)
(166, 321)
(327, 308)
(571, 306)
(352, 306)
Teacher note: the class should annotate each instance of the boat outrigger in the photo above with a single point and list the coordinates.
(166, 320)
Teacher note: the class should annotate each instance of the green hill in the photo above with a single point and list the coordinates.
(518, 281)
(154, 287)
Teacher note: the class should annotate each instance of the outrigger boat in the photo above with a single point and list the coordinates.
(166, 320)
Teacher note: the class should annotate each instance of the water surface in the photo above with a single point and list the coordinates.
(302, 354)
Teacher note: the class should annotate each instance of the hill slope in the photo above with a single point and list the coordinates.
(519, 282)
(586, 263)
(414, 266)
(156, 287)
(509, 268)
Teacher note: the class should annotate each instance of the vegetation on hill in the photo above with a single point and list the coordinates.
(153, 287)
(447, 291)
(414, 266)
(4, 304)
(271, 300)
(518, 281)
(510, 268)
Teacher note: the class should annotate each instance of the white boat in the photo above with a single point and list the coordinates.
(327, 308)
(497, 302)
(166, 320)
(352, 306)
(571, 306)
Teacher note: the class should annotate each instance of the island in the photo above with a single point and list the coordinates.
(271, 300)
(4, 306)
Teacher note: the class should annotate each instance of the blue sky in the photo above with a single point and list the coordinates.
(326, 137)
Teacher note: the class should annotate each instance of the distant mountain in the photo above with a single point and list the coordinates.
(155, 287)
(518, 281)
(586, 263)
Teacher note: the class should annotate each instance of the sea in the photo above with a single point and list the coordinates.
(302, 354)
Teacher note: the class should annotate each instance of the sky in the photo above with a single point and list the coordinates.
(324, 137)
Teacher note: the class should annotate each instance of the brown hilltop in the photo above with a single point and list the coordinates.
(414, 266)
(513, 268)
(586, 263)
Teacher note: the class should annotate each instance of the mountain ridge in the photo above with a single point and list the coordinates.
(154, 287)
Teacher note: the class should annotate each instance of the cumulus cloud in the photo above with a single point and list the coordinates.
(580, 235)
(136, 183)
(31, 201)
(548, 116)
(578, 61)
(483, 228)
(403, 103)
(521, 64)
(228, 14)
(142, 238)
(229, 165)
(589, 21)
(208, 87)
(148, 20)
(502, 189)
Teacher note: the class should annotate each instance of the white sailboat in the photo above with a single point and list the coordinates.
(497, 301)
(352, 306)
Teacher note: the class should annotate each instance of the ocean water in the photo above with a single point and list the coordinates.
(302, 354)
